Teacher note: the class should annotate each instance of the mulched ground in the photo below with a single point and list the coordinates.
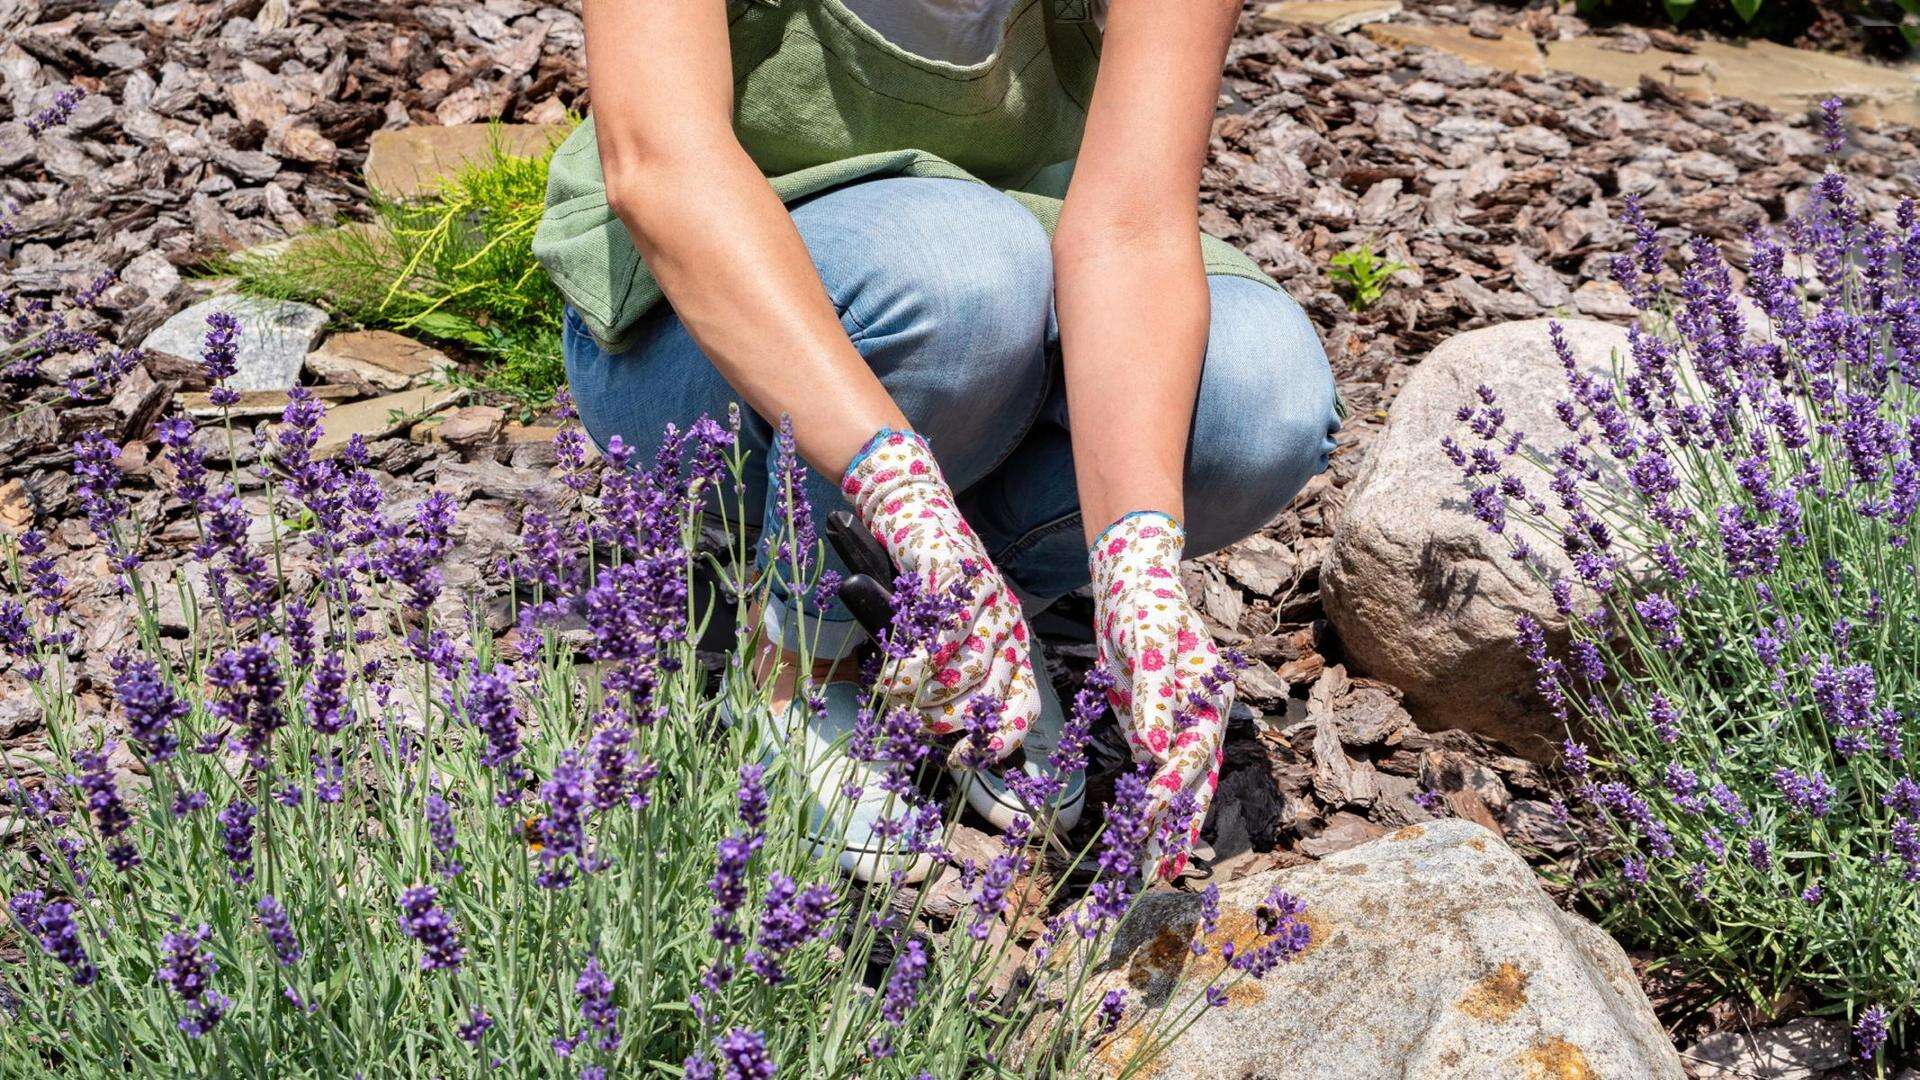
(216, 125)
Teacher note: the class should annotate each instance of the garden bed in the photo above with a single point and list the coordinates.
(216, 126)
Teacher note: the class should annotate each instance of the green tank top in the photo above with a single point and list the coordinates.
(822, 100)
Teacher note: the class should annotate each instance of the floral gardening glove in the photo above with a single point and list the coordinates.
(1169, 688)
(897, 489)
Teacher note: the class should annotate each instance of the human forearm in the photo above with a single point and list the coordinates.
(1130, 286)
(1133, 310)
(730, 262)
(713, 232)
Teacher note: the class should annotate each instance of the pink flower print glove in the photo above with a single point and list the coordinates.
(897, 489)
(1170, 690)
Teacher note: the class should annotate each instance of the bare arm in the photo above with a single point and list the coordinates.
(714, 233)
(1129, 283)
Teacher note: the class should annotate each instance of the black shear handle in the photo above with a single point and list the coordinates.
(867, 590)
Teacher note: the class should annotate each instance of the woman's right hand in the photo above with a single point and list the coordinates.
(897, 489)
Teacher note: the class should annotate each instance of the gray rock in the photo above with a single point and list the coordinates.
(1434, 954)
(1796, 1050)
(1421, 594)
(275, 336)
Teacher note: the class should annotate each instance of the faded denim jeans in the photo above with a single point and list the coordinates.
(946, 288)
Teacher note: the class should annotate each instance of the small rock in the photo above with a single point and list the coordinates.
(1344, 830)
(16, 506)
(380, 358)
(470, 427)
(1262, 565)
(1333, 16)
(275, 337)
(1530, 823)
(1802, 1049)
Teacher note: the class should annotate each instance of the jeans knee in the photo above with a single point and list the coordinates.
(1266, 414)
(944, 287)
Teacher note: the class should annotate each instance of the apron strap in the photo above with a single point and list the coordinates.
(1072, 11)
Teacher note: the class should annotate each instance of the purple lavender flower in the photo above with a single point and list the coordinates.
(990, 898)
(328, 710)
(490, 708)
(791, 529)
(1906, 844)
(150, 705)
(1286, 934)
(752, 795)
(329, 776)
(790, 917)
(1810, 793)
(236, 839)
(475, 1027)
(440, 834)
(743, 1055)
(904, 982)
(220, 358)
(250, 685)
(1663, 618)
(57, 111)
(279, 930)
(729, 884)
(423, 920)
(111, 819)
(1111, 1010)
(1833, 129)
(53, 925)
(187, 968)
(982, 725)
(595, 991)
(563, 828)
(1870, 1031)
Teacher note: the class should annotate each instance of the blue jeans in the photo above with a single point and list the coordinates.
(946, 289)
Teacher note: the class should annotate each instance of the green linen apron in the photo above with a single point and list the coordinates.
(822, 100)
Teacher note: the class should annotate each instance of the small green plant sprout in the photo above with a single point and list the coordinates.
(1362, 274)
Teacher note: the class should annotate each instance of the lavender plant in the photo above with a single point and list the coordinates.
(1737, 502)
(340, 826)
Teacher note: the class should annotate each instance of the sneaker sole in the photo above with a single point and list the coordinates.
(1001, 812)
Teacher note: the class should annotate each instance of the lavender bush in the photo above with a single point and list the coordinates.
(339, 827)
(1738, 503)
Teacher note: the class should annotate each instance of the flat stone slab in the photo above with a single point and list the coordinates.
(380, 358)
(1333, 16)
(376, 418)
(275, 336)
(1514, 50)
(409, 163)
(256, 404)
(1787, 80)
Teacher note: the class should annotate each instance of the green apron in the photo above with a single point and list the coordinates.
(821, 100)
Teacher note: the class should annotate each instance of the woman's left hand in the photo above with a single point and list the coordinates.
(1170, 689)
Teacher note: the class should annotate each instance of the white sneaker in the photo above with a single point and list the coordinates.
(849, 830)
(987, 791)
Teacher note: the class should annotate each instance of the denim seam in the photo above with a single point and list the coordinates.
(1035, 535)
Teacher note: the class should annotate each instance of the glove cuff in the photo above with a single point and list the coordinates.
(1139, 547)
(893, 480)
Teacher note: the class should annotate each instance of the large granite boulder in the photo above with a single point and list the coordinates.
(1434, 954)
(1420, 593)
